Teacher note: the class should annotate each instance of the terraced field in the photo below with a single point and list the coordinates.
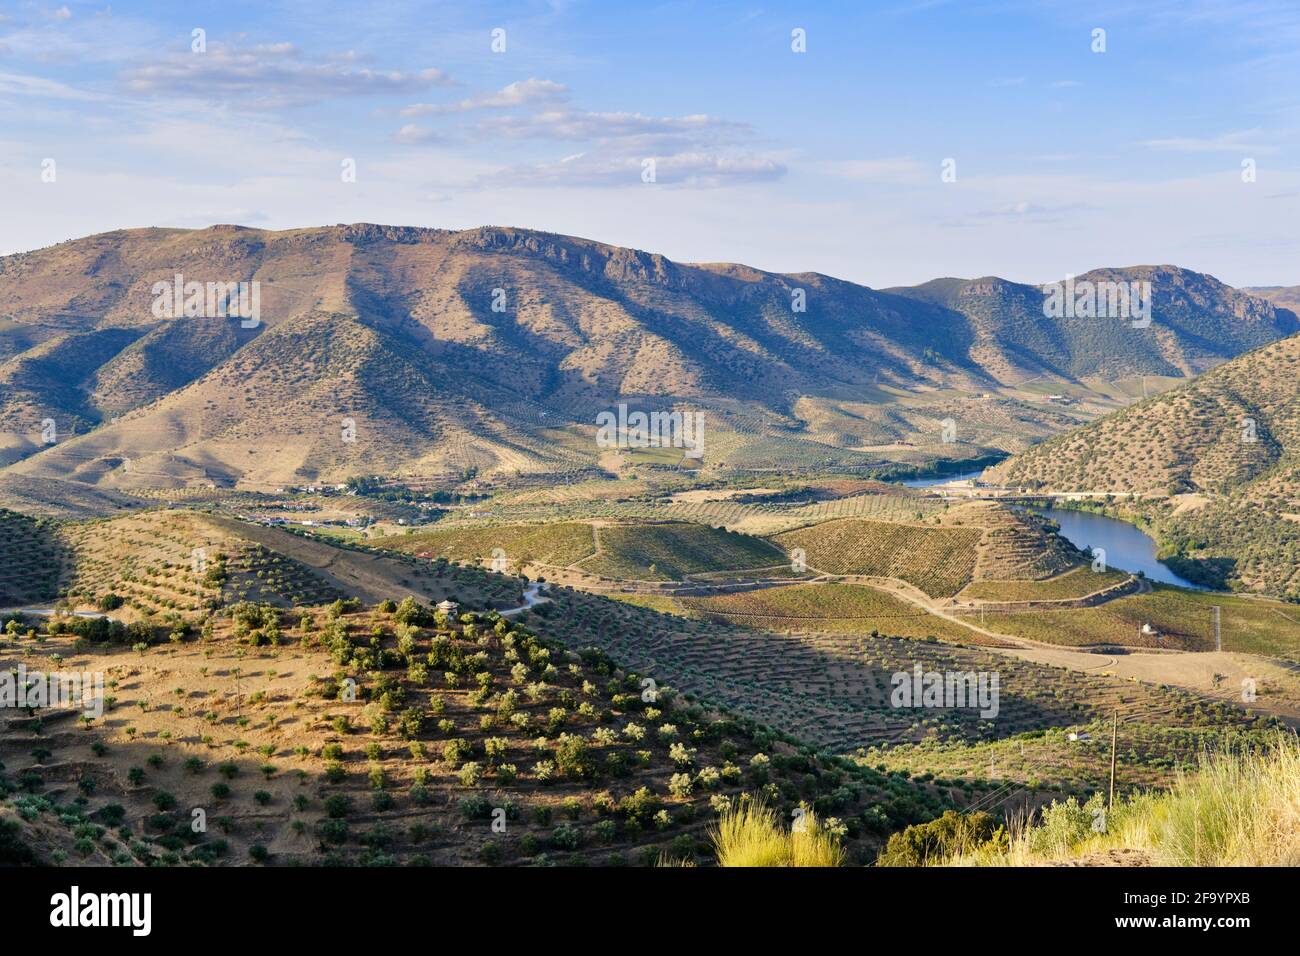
(31, 559)
(451, 721)
(1182, 620)
(834, 690)
(1017, 544)
(675, 551)
(1075, 583)
(938, 560)
(172, 560)
(831, 607)
(559, 543)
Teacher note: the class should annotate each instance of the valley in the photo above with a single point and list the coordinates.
(365, 574)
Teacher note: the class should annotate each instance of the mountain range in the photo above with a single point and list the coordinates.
(393, 350)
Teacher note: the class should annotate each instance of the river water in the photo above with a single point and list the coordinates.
(1127, 547)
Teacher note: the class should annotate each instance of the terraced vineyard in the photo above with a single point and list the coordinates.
(1179, 619)
(599, 502)
(851, 608)
(938, 560)
(834, 690)
(31, 559)
(675, 551)
(559, 543)
(1017, 544)
(1075, 583)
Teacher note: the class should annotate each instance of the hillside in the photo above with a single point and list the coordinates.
(175, 562)
(469, 742)
(1288, 297)
(423, 351)
(1226, 446)
(1233, 429)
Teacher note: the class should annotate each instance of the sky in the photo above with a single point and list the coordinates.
(906, 140)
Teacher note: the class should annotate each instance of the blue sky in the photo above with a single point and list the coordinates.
(828, 160)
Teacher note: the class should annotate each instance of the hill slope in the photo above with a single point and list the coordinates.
(1227, 447)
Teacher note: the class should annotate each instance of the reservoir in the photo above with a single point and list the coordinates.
(1126, 547)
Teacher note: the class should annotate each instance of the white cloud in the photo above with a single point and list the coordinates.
(582, 125)
(413, 135)
(519, 93)
(20, 84)
(898, 169)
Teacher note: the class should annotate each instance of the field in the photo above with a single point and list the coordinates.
(559, 543)
(1181, 619)
(31, 559)
(851, 608)
(1075, 583)
(1147, 755)
(673, 552)
(938, 560)
(834, 690)
(172, 561)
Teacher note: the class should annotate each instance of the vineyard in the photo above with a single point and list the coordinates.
(557, 543)
(1076, 583)
(852, 608)
(1146, 754)
(938, 560)
(1178, 619)
(674, 551)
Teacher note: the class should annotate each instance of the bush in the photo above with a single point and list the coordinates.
(925, 844)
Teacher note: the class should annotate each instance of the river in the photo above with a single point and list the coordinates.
(1127, 547)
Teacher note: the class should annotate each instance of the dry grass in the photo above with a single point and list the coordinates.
(1240, 808)
(750, 835)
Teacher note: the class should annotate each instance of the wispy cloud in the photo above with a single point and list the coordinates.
(1244, 140)
(897, 169)
(19, 84)
(519, 93)
(270, 76)
(698, 170)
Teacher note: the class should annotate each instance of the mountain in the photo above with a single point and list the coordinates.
(1196, 323)
(423, 351)
(1288, 297)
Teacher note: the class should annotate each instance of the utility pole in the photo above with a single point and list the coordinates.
(1114, 731)
(1218, 633)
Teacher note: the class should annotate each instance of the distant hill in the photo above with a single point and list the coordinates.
(401, 350)
(1197, 322)
(1286, 296)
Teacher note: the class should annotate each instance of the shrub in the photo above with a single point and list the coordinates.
(934, 842)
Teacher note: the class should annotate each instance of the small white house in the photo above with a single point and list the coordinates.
(450, 608)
